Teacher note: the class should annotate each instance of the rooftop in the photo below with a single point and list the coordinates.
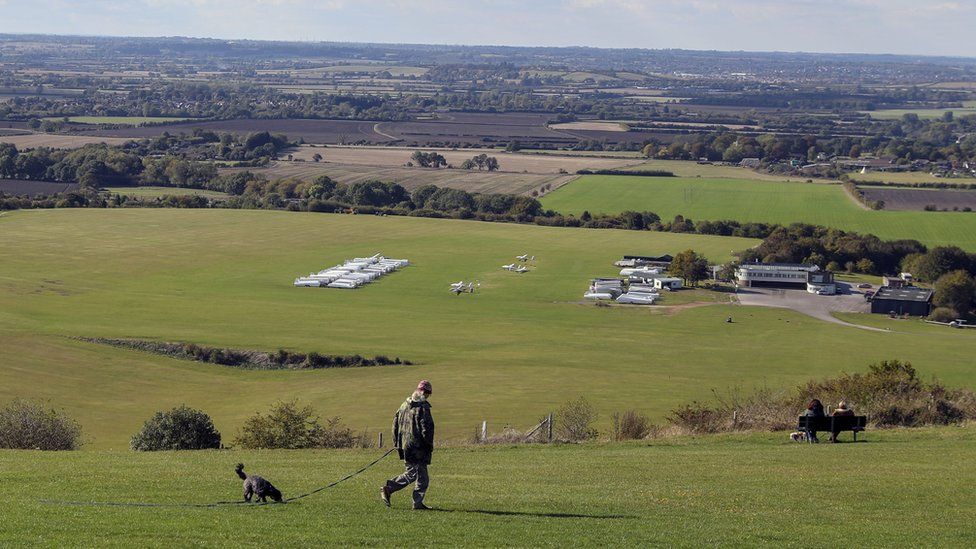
(767, 266)
(909, 293)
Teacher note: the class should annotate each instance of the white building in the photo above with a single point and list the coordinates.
(774, 274)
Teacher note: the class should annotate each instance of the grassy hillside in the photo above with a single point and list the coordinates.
(509, 354)
(898, 489)
(746, 200)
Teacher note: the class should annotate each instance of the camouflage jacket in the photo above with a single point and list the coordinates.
(413, 431)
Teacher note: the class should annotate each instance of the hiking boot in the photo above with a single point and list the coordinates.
(385, 495)
(420, 507)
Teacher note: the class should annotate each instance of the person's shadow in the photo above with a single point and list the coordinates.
(528, 514)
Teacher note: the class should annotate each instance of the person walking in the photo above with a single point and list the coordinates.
(413, 437)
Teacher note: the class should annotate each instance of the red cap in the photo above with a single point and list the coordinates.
(424, 386)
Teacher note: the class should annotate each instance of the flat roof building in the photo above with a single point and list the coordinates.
(902, 301)
(779, 275)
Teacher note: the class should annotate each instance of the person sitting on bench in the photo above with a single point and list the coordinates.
(842, 410)
(815, 409)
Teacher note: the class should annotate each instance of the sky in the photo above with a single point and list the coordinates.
(921, 27)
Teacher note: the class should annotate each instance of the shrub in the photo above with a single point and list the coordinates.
(290, 426)
(574, 421)
(630, 425)
(26, 425)
(181, 428)
(943, 314)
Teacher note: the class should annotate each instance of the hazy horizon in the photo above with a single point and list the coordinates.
(896, 27)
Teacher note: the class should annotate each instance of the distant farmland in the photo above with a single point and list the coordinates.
(131, 120)
(508, 162)
(773, 202)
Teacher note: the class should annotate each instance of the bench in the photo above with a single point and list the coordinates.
(855, 424)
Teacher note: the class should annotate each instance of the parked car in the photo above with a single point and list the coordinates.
(864, 285)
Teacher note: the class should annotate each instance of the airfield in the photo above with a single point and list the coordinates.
(225, 278)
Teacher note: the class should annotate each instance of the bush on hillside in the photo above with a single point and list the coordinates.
(943, 314)
(181, 428)
(26, 425)
(290, 426)
(629, 425)
(891, 394)
(574, 421)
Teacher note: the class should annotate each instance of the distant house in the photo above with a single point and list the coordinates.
(667, 282)
(895, 282)
(902, 301)
(750, 163)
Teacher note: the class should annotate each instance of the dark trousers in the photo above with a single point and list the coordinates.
(413, 472)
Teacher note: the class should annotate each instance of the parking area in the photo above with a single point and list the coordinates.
(847, 300)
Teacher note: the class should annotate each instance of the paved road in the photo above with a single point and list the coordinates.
(848, 300)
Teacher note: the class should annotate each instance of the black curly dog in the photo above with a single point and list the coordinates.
(257, 486)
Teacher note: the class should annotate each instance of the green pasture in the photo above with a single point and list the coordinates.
(156, 192)
(900, 488)
(130, 120)
(747, 200)
(508, 354)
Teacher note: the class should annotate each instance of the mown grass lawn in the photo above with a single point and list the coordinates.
(509, 354)
(761, 201)
(901, 488)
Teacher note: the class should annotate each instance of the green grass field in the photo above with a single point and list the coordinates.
(745, 200)
(509, 354)
(131, 120)
(901, 488)
(155, 192)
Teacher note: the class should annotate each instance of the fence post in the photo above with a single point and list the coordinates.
(484, 431)
(380, 441)
(549, 427)
(735, 418)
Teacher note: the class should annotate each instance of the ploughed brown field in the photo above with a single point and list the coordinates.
(21, 187)
(442, 129)
(896, 198)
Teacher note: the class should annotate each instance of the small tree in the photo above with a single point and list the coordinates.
(575, 420)
(26, 425)
(955, 290)
(690, 266)
(290, 426)
(865, 265)
(181, 428)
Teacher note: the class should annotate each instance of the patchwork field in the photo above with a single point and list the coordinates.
(899, 489)
(744, 200)
(508, 354)
(411, 178)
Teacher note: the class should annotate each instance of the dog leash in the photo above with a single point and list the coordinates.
(215, 503)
